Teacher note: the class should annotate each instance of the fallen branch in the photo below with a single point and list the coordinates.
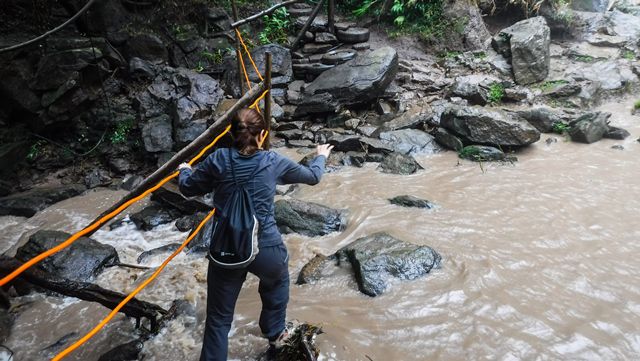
(263, 13)
(50, 32)
(188, 151)
(84, 291)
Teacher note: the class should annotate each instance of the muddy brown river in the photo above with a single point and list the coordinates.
(540, 262)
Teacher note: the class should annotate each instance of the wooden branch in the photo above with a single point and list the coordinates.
(183, 155)
(50, 32)
(239, 64)
(262, 13)
(84, 291)
(267, 99)
(314, 13)
(331, 14)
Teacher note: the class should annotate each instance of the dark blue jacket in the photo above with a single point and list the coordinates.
(214, 174)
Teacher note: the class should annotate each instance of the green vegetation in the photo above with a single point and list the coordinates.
(560, 127)
(636, 105)
(408, 16)
(214, 57)
(276, 27)
(551, 84)
(121, 131)
(496, 93)
(585, 59)
(35, 150)
(629, 55)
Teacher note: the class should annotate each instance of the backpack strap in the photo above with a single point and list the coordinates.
(233, 171)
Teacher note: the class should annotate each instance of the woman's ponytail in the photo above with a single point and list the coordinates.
(245, 128)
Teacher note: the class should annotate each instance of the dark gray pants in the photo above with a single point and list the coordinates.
(223, 287)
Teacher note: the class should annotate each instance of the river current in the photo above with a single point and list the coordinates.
(540, 262)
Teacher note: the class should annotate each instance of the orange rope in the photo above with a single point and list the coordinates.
(112, 314)
(101, 221)
(244, 69)
(246, 49)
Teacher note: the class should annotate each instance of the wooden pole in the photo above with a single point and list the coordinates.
(268, 11)
(314, 13)
(331, 10)
(234, 9)
(187, 152)
(267, 99)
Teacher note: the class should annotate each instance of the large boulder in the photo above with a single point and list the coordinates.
(157, 134)
(81, 261)
(357, 81)
(526, 43)
(599, 6)
(148, 47)
(281, 68)
(473, 34)
(410, 141)
(56, 69)
(6, 322)
(29, 203)
(475, 88)
(398, 163)
(590, 127)
(478, 125)
(307, 218)
(376, 258)
(606, 75)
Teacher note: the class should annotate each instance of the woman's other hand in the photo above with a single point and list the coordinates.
(184, 166)
(324, 149)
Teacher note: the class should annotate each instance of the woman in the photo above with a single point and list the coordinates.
(271, 264)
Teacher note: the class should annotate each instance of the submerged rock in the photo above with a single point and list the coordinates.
(411, 201)
(481, 153)
(307, 218)
(543, 118)
(616, 133)
(153, 216)
(488, 126)
(376, 258)
(398, 163)
(589, 128)
(156, 251)
(81, 261)
(29, 203)
(526, 43)
(129, 351)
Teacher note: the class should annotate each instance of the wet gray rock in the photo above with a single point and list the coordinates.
(307, 218)
(6, 322)
(398, 163)
(82, 261)
(148, 47)
(312, 271)
(27, 204)
(413, 117)
(56, 69)
(589, 128)
(480, 125)
(616, 133)
(543, 118)
(281, 70)
(170, 195)
(153, 216)
(97, 178)
(448, 140)
(599, 6)
(131, 182)
(167, 248)
(475, 88)
(410, 141)
(606, 75)
(481, 153)
(380, 256)
(129, 351)
(526, 44)
(475, 34)
(411, 201)
(357, 81)
(157, 134)
(141, 69)
(16, 77)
